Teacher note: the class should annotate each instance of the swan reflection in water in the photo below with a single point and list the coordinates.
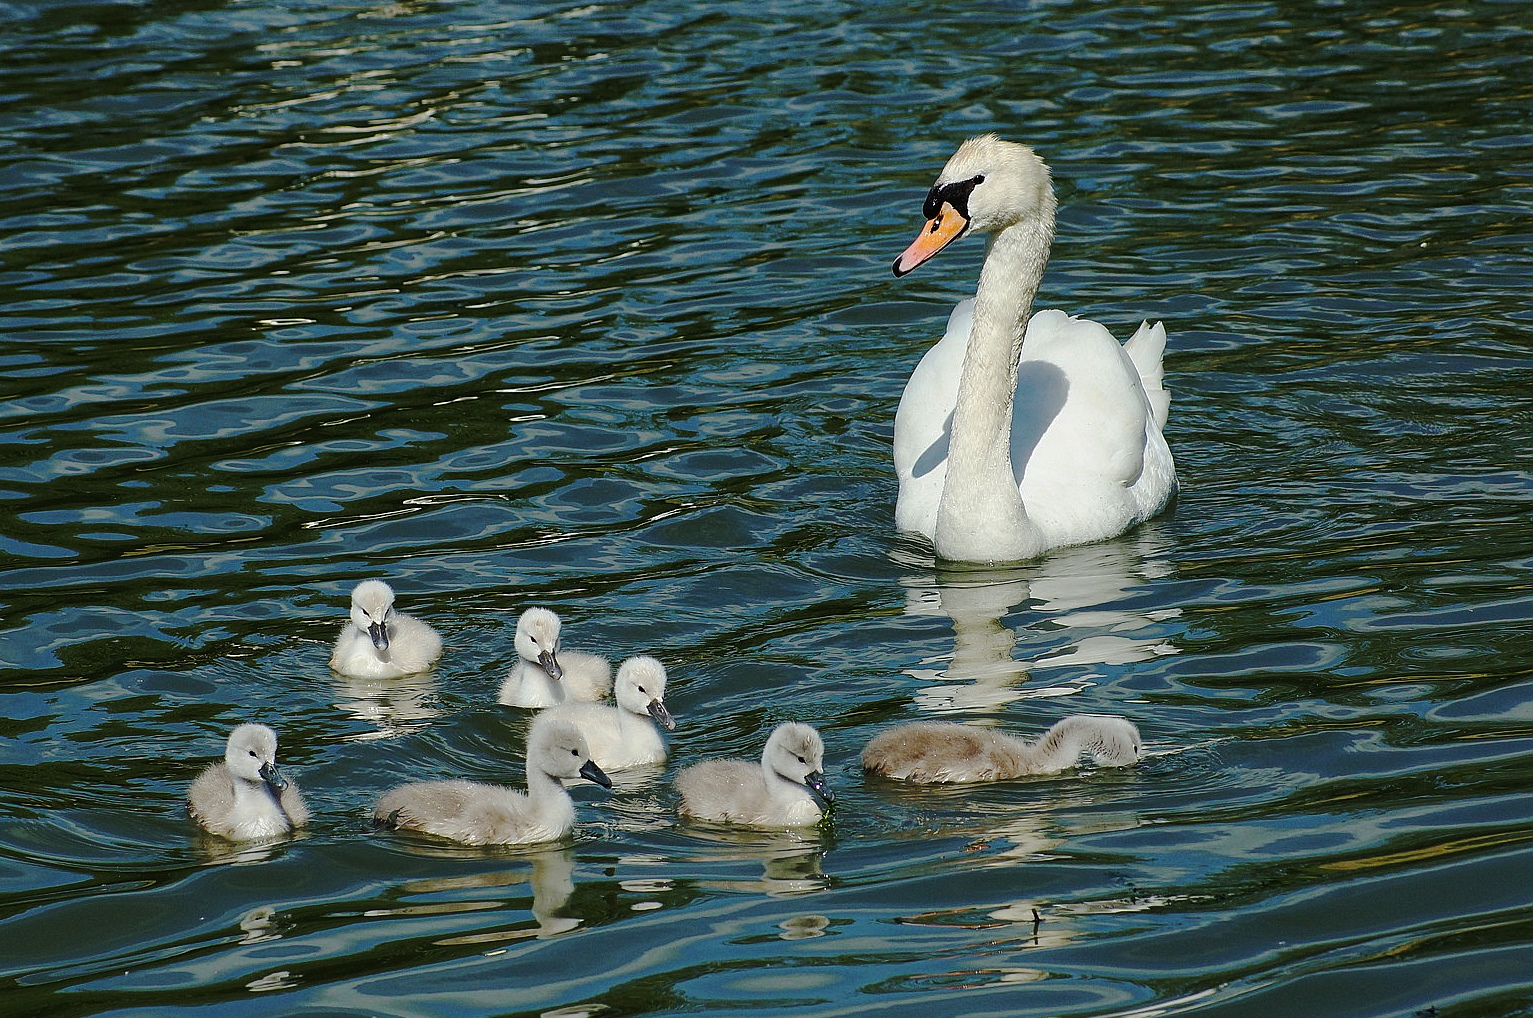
(551, 880)
(997, 833)
(391, 707)
(1074, 596)
(791, 859)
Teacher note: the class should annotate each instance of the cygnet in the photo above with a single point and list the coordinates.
(380, 643)
(478, 814)
(546, 674)
(245, 798)
(932, 752)
(786, 789)
(624, 735)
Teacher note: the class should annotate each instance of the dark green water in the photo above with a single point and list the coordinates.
(590, 307)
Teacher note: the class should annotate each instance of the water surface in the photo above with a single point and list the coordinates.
(589, 306)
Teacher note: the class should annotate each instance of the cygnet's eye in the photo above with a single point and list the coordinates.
(643, 690)
(574, 752)
(802, 760)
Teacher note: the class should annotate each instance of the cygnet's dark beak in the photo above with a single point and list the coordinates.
(591, 772)
(273, 777)
(815, 782)
(551, 664)
(659, 713)
(379, 633)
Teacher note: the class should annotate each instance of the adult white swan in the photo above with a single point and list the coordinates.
(1021, 432)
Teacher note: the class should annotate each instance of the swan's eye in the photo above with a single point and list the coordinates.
(936, 223)
(979, 178)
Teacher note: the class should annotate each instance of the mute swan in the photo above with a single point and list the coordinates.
(1022, 432)
(380, 643)
(479, 814)
(245, 797)
(931, 752)
(624, 735)
(546, 674)
(786, 789)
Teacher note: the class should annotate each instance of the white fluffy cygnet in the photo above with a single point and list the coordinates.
(478, 814)
(380, 643)
(625, 734)
(932, 752)
(245, 797)
(545, 674)
(786, 789)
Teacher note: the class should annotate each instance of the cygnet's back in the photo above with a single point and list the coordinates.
(379, 643)
(245, 797)
(937, 752)
(545, 673)
(786, 789)
(479, 814)
(624, 734)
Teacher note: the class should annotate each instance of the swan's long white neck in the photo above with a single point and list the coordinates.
(981, 517)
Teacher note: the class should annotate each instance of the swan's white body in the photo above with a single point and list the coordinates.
(933, 752)
(1021, 432)
(379, 643)
(245, 798)
(545, 674)
(478, 814)
(624, 734)
(786, 789)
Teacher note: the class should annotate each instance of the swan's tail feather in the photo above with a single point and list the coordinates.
(1146, 348)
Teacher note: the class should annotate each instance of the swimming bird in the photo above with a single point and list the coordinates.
(545, 673)
(933, 752)
(479, 814)
(786, 789)
(245, 797)
(1020, 431)
(380, 643)
(624, 734)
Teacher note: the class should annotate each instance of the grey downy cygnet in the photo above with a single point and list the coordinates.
(937, 752)
(626, 733)
(379, 643)
(474, 813)
(785, 789)
(545, 673)
(245, 798)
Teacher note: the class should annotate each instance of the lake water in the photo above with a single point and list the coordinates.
(590, 307)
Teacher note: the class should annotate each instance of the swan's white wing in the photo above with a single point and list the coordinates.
(1082, 429)
(1146, 348)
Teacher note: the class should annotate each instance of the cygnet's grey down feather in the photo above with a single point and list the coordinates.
(478, 814)
(379, 643)
(545, 673)
(624, 734)
(935, 752)
(245, 798)
(786, 789)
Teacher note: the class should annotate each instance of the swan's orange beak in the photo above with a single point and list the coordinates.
(940, 231)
